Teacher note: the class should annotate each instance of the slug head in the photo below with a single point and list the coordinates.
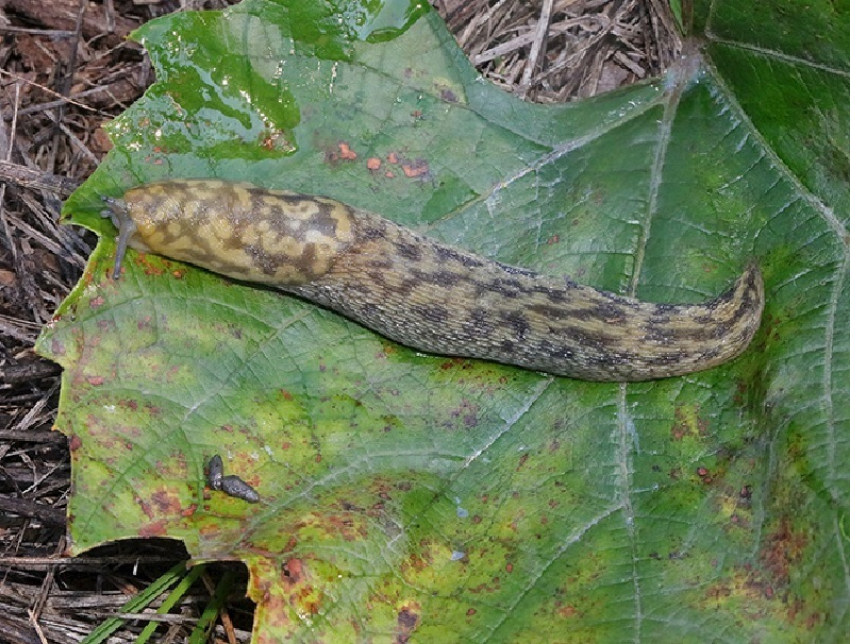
(248, 233)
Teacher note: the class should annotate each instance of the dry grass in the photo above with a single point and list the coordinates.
(552, 51)
(63, 72)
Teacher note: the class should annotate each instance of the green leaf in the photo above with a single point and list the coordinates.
(416, 497)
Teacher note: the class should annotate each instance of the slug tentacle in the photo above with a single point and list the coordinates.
(430, 296)
(118, 213)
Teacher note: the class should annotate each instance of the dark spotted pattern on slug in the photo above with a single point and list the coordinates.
(429, 296)
(242, 231)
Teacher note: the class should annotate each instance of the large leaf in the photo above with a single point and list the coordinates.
(407, 496)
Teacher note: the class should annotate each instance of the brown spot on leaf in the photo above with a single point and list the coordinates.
(407, 621)
(165, 502)
(784, 548)
(522, 461)
(416, 168)
(155, 529)
(293, 571)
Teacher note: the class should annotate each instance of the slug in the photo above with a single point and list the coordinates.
(427, 295)
(231, 484)
(215, 471)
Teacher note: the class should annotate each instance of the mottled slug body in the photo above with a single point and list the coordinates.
(427, 295)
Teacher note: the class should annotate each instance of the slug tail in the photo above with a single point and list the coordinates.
(701, 336)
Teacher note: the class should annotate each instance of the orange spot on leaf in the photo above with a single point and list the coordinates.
(345, 152)
(416, 168)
